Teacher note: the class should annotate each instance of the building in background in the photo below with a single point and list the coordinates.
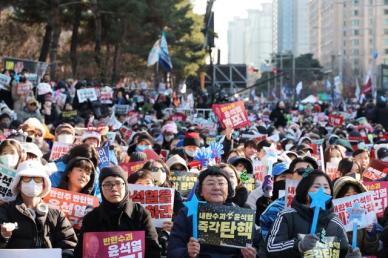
(290, 26)
(349, 37)
(250, 39)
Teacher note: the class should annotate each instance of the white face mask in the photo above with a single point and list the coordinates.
(159, 177)
(168, 138)
(32, 189)
(65, 138)
(9, 160)
(385, 159)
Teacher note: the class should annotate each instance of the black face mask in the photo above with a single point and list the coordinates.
(278, 185)
(22, 79)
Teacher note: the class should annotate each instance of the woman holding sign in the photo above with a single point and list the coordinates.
(118, 213)
(214, 187)
(291, 235)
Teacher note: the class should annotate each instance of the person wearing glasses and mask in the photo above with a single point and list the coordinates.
(118, 213)
(28, 222)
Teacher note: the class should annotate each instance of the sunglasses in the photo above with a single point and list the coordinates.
(37, 179)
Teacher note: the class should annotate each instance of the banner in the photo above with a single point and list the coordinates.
(126, 133)
(336, 120)
(259, 170)
(124, 244)
(4, 81)
(74, 205)
(366, 202)
(59, 149)
(332, 170)
(373, 173)
(177, 117)
(290, 191)
(132, 167)
(326, 247)
(222, 225)
(106, 95)
(7, 175)
(232, 115)
(379, 190)
(32, 253)
(85, 94)
(158, 201)
(184, 181)
(122, 109)
(103, 153)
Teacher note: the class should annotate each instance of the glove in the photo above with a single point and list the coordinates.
(356, 253)
(267, 186)
(307, 243)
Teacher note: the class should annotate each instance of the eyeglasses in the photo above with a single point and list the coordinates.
(36, 179)
(156, 169)
(213, 184)
(109, 186)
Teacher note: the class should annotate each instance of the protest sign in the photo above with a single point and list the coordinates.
(4, 81)
(232, 115)
(69, 114)
(106, 95)
(132, 167)
(74, 205)
(103, 153)
(122, 109)
(259, 170)
(290, 191)
(379, 190)
(365, 201)
(372, 173)
(86, 94)
(336, 120)
(126, 133)
(59, 149)
(7, 175)
(32, 253)
(111, 137)
(159, 201)
(23, 89)
(326, 247)
(133, 117)
(332, 170)
(124, 244)
(151, 154)
(184, 181)
(177, 117)
(225, 225)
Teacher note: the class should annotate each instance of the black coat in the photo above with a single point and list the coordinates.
(278, 117)
(133, 218)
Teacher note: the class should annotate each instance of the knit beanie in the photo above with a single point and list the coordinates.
(114, 171)
(192, 138)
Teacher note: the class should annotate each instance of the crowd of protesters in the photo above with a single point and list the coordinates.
(33, 117)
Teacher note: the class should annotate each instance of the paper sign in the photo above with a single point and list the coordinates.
(151, 154)
(133, 117)
(326, 247)
(159, 201)
(373, 174)
(260, 170)
(124, 244)
(177, 117)
(126, 133)
(366, 202)
(32, 253)
(332, 170)
(74, 205)
(122, 109)
(379, 190)
(103, 153)
(336, 120)
(222, 225)
(106, 95)
(7, 175)
(23, 89)
(85, 94)
(290, 191)
(132, 167)
(184, 181)
(59, 149)
(232, 115)
(4, 79)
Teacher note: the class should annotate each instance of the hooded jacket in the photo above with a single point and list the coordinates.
(283, 236)
(50, 228)
(367, 242)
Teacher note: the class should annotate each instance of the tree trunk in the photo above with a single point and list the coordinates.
(56, 33)
(98, 33)
(116, 57)
(44, 50)
(74, 40)
(124, 25)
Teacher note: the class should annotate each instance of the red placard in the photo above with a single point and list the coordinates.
(380, 197)
(114, 244)
(59, 149)
(336, 120)
(232, 115)
(151, 154)
(178, 117)
(132, 167)
(74, 205)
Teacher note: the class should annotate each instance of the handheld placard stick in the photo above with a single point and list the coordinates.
(355, 216)
(192, 207)
(318, 201)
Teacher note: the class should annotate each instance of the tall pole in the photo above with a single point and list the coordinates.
(374, 58)
(281, 78)
(293, 77)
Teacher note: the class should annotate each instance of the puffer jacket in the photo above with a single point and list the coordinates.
(283, 237)
(50, 228)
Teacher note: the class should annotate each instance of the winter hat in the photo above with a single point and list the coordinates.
(170, 128)
(44, 88)
(192, 138)
(176, 159)
(91, 134)
(279, 169)
(247, 163)
(65, 128)
(31, 168)
(342, 181)
(382, 151)
(34, 123)
(114, 171)
(32, 148)
(144, 136)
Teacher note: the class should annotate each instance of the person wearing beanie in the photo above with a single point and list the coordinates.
(92, 138)
(214, 187)
(177, 163)
(118, 213)
(65, 133)
(367, 238)
(169, 130)
(38, 224)
(290, 236)
(191, 143)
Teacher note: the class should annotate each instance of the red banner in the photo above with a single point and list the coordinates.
(232, 115)
(178, 117)
(132, 167)
(129, 244)
(336, 120)
(74, 205)
(379, 190)
(59, 149)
